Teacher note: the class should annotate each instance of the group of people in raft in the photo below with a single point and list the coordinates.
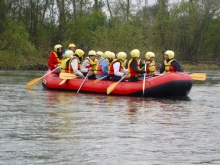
(108, 66)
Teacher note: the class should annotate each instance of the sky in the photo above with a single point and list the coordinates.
(151, 2)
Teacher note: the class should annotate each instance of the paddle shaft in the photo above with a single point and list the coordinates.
(144, 79)
(50, 72)
(83, 82)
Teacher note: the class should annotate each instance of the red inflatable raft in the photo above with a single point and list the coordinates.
(172, 84)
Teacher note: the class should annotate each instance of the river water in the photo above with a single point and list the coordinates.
(54, 127)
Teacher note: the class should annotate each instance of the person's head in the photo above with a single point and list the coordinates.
(122, 56)
(72, 47)
(69, 54)
(169, 54)
(135, 53)
(92, 54)
(79, 53)
(57, 48)
(99, 54)
(150, 56)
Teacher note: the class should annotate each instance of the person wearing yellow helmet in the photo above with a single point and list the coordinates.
(134, 66)
(71, 63)
(72, 47)
(89, 65)
(116, 69)
(170, 64)
(75, 62)
(151, 66)
(55, 58)
(102, 66)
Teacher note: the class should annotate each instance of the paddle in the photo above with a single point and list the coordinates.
(83, 81)
(112, 87)
(194, 76)
(198, 76)
(144, 79)
(62, 82)
(97, 80)
(35, 81)
(67, 76)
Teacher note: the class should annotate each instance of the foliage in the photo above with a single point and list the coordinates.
(30, 29)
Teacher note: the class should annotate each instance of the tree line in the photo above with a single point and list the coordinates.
(29, 29)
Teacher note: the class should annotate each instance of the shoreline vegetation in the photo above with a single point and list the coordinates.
(187, 27)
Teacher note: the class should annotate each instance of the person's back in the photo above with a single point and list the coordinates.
(170, 64)
(134, 65)
(102, 66)
(116, 69)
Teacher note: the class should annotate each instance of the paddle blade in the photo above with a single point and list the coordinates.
(97, 80)
(198, 76)
(67, 76)
(33, 82)
(111, 87)
(62, 82)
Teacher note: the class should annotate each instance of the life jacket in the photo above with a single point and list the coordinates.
(66, 66)
(168, 67)
(91, 63)
(151, 68)
(58, 59)
(98, 69)
(111, 68)
(131, 72)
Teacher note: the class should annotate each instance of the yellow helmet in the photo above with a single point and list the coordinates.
(149, 55)
(92, 53)
(113, 55)
(170, 54)
(108, 54)
(72, 46)
(100, 53)
(68, 54)
(57, 47)
(135, 53)
(79, 52)
(122, 56)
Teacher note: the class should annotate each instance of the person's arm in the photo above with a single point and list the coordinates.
(177, 66)
(116, 69)
(51, 61)
(84, 66)
(135, 68)
(74, 65)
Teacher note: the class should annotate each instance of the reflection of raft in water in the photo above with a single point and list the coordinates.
(172, 84)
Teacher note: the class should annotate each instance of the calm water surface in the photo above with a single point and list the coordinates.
(53, 127)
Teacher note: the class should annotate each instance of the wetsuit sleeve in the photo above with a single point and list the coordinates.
(51, 61)
(177, 66)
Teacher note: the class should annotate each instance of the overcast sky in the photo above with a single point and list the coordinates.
(151, 2)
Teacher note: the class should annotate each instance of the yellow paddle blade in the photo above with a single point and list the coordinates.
(111, 87)
(67, 76)
(62, 82)
(33, 82)
(97, 80)
(198, 76)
